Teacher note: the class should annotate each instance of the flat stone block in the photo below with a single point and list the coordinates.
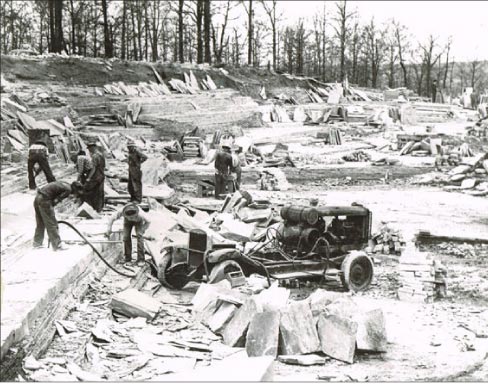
(337, 337)
(298, 331)
(263, 334)
(235, 331)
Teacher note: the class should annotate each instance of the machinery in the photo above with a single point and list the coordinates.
(310, 243)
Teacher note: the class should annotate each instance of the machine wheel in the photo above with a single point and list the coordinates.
(357, 272)
(177, 275)
(174, 276)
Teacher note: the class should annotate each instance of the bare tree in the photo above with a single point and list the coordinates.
(429, 60)
(250, 33)
(199, 21)
(376, 44)
(342, 31)
(270, 10)
(207, 21)
(181, 4)
(107, 41)
(446, 67)
(402, 46)
(220, 43)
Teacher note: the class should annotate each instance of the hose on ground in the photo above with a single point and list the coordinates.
(94, 249)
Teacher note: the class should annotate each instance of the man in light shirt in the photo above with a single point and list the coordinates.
(38, 154)
(133, 217)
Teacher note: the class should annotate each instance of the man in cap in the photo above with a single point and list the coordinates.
(38, 154)
(136, 158)
(223, 166)
(93, 188)
(133, 217)
(47, 197)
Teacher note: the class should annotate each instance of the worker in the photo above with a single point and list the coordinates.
(38, 154)
(83, 165)
(133, 217)
(236, 167)
(223, 165)
(94, 186)
(434, 90)
(46, 199)
(136, 158)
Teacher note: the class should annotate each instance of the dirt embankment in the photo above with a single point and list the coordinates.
(97, 72)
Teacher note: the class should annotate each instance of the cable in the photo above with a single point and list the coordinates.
(94, 249)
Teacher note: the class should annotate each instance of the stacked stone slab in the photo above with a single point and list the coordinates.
(387, 241)
(422, 280)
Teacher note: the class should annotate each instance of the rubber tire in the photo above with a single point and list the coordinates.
(350, 266)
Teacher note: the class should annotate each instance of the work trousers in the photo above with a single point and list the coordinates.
(94, 194)
(135, 185)
(128, 225)
(42, 160)
(220, 181)
(45, 220)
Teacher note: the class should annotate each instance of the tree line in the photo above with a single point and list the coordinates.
(334, 46)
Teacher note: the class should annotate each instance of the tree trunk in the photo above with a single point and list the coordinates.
(250, 34)
(52, 35)
(124, 17)
(106, 35)
(134, 38)
(58, 27)
(146, 32)
(206, 26)
(180, 31)
(199, 31)
(139, 32)
(95, 24)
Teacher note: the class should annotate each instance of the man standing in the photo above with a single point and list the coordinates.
(38, 154)
(93, 188)
(136, 158)
(83, 165)
(223, 165)
(236, 166)
(47, 197)
(434, 90)
(133, 217)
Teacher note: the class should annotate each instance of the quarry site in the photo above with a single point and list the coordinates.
(348, 242)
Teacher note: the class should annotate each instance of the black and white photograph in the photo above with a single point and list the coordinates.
(244, 191)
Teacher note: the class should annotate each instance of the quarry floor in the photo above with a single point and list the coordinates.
(426, 341)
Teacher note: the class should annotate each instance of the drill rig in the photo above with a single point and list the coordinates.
(310, 243)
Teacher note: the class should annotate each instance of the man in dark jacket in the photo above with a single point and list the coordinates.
(47, 197)
(38, 154)
(94, 186)
(136, 158)
(223, 166)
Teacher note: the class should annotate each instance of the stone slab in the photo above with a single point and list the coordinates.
(371, 331)
(297, 329)
(221, 317)
(33, 283)
(235, 331)
(337, 337)
(263, 334)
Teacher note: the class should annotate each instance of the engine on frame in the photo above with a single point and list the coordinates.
(325, 231)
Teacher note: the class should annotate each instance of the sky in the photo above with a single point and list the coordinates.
(465, 21)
